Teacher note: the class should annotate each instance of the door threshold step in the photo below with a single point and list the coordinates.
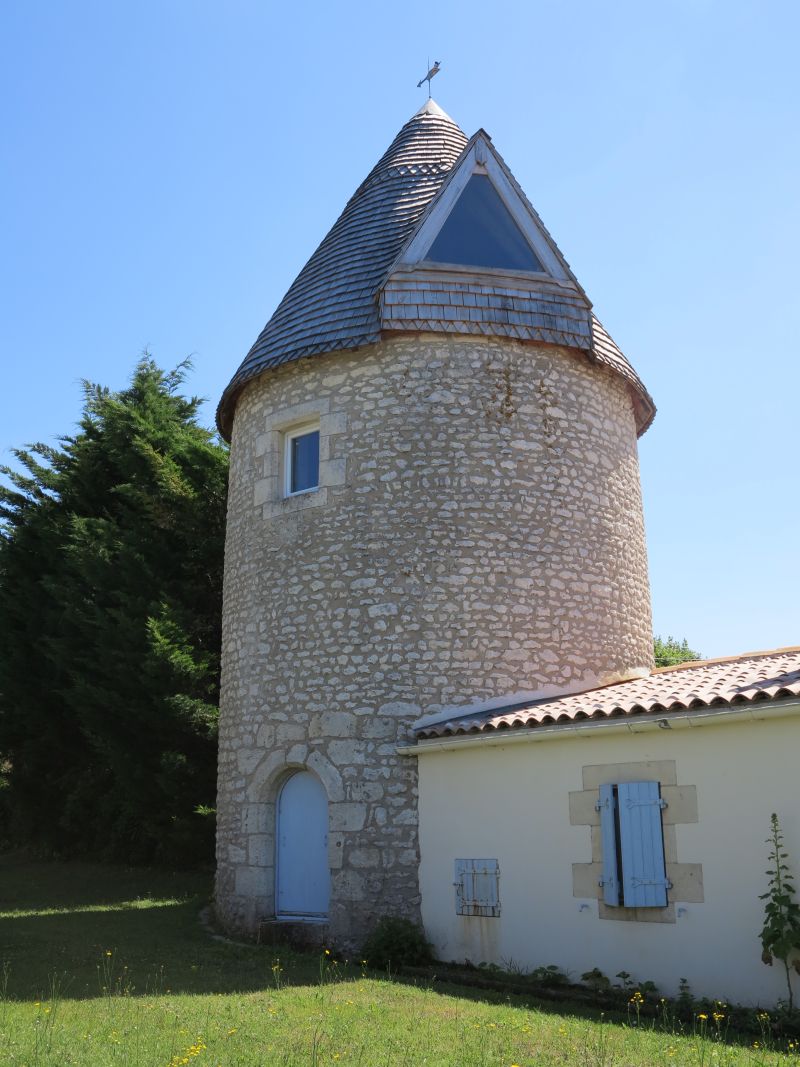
(303, 934)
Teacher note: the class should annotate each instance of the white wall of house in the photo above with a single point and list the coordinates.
(511, 802)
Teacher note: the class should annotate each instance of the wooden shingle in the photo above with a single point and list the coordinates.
(354, 289)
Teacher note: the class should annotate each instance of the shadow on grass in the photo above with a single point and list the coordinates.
(95, 930)
(157, 944)
(739, 1031)
(32, 885)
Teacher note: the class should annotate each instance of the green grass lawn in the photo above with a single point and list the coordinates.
(110, 966)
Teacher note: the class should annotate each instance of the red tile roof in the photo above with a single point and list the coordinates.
(736, 680)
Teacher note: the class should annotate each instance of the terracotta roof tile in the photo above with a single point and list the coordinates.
(736, 680)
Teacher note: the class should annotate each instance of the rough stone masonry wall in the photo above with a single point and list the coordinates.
(479, 533)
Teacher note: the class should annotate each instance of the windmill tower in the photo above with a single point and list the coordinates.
(434, 504)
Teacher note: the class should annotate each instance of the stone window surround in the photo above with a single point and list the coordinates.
(686, 878)
(270, 447)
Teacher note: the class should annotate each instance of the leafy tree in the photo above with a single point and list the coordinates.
(670, 652)
(111, 551)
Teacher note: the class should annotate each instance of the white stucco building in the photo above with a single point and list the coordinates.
(675, 893)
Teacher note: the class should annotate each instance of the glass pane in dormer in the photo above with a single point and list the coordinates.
(480, 232)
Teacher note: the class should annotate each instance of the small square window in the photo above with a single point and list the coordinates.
(302, 460)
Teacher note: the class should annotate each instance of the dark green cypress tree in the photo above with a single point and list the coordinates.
(110, 599)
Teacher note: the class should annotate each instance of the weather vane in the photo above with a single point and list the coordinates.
(434, 70)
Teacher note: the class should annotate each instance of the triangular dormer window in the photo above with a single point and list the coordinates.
(481, 224)
(481, 232)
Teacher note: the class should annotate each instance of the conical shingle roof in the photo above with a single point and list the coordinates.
(331, 304)
(354, 289)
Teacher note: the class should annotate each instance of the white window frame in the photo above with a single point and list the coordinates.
(288, 437)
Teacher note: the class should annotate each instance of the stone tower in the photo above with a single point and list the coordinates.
(434, 505)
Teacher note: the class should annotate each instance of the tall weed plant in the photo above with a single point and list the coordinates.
(780, 935)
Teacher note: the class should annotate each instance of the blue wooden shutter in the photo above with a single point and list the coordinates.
(476, 884)
(608, 831)
(463, 884)
(644, 876)
(460, 881)
(487, 894)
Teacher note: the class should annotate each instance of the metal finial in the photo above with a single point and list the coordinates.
(433, 71)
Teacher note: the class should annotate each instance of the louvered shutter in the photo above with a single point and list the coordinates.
(644, 877)
(477, 888)
(608, 831)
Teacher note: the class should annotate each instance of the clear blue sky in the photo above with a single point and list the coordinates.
(169, 165)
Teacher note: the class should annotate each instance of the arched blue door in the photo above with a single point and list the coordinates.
(303, 877)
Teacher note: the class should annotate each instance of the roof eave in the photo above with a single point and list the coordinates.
(716, 715)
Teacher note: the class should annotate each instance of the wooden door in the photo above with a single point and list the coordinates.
(303, 877)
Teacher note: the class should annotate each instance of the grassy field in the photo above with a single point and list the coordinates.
(104, 966)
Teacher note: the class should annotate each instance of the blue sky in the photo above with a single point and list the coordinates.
(169, 166)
